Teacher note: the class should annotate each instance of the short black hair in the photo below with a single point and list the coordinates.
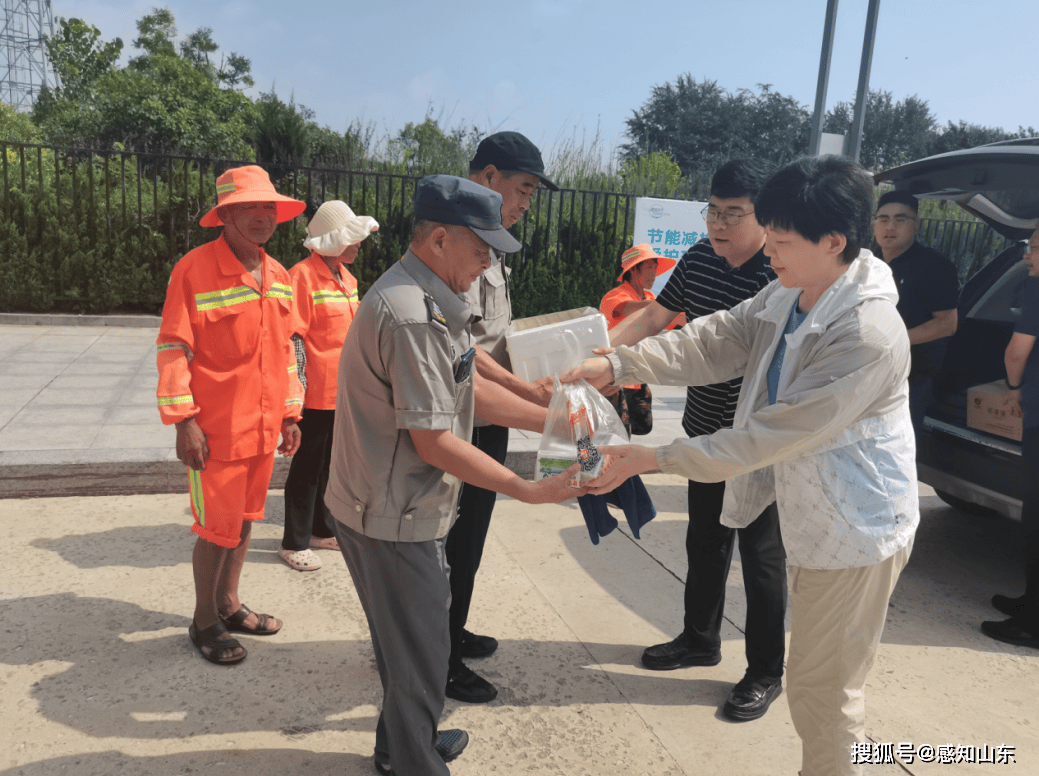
(819, 195)
(740, 178)
(899, 198)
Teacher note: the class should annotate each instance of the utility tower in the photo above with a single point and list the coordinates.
(24, 66)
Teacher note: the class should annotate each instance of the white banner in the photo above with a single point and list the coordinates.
(668, 226)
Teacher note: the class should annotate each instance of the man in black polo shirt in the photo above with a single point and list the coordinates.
(718, 274)
(928, 291)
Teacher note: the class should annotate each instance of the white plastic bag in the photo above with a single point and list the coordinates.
(580, 421)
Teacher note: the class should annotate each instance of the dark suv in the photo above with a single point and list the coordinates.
(998, 183)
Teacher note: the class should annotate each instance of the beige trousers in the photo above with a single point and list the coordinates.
(837, 618)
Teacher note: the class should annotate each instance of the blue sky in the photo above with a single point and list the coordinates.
(560, 69)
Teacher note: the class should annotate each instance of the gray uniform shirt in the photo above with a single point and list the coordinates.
(490, 301)
(397, 372)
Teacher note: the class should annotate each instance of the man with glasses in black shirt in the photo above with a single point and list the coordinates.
(717, 274)
(928, 292)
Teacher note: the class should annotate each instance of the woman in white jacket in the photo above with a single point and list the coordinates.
(822, 426)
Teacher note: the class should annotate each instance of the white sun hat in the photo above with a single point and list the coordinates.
(334, 228)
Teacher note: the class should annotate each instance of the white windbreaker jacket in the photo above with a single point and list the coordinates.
(836, 451)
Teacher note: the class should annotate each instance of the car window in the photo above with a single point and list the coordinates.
(1002, 301)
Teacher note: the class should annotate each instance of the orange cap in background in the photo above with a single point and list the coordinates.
(640, 253)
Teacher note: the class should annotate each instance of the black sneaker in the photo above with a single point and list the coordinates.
(1011, 631)
(678, 653)
(477, 646)
(750, 698)
(464, 684)
(1007, 605)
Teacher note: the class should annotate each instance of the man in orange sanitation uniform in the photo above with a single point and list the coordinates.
(227, 380)
(325, 293)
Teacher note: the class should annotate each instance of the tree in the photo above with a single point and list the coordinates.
(893, 132)
(160, 102)
(701, 126)
(235, 70)
(954, 137)
(426, 148)
(232, 70)
(157, 31)
(656, 175)
(80, 57)
(17, 126)
(280, 130)
(196, 49)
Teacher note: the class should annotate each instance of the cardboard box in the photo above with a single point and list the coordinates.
(987, 412)
(540, 346)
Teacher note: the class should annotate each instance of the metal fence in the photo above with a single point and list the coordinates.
(136, 214)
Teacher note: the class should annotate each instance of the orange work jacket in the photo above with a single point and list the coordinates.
(224, 353)
(325, 308)
(615, 297)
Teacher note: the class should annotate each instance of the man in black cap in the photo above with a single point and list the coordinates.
(509, 164)
(404, 412)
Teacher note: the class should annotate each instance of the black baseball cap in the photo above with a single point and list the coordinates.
(446, 199)
(899, 198)
(511, 152)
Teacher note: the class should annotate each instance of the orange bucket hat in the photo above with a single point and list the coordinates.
(640, 253)
(250, 184)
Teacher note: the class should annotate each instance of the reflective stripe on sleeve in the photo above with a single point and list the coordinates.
(165, 401)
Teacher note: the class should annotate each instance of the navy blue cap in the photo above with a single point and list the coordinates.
(446, 199)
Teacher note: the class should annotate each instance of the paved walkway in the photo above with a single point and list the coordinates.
(98, 676)
(78, 413)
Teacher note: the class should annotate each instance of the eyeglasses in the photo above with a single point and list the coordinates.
(711, 215)
(896, 220)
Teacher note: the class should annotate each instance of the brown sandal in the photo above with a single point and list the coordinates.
(210, 638)
(236, 622)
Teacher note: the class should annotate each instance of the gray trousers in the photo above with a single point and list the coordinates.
(404, 590)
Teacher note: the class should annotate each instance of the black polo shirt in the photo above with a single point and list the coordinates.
(927, 283)
(1029, 324)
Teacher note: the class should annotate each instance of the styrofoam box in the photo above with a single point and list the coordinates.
(538, 346)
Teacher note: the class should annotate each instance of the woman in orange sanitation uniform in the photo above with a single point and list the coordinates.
(227, 380)
(326, 298)
(640, 266)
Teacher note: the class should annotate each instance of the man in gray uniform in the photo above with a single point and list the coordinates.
(404, 414)
(509, 164)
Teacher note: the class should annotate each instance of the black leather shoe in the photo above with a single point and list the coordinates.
(464, 684)
(1011, 631)
(450, 744)
(750, 698)
(1007, 605)
(477, 646)
(678, 653)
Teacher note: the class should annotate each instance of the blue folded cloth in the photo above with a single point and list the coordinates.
(631, 496)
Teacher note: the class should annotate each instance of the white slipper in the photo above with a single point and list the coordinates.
(301, 560)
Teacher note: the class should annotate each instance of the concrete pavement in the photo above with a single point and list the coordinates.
(78, 413)
(98, 675)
